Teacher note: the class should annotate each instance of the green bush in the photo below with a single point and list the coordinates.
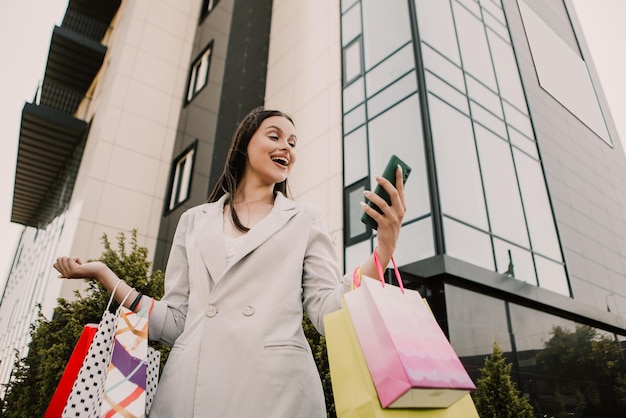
(496, 396)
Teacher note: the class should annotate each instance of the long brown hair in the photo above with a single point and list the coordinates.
(237, 157)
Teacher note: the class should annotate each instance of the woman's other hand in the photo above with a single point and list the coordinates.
(73, 268)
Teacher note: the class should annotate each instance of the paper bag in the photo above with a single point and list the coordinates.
(353, 388)
(127, 380)
(64, 388)
(409, 357)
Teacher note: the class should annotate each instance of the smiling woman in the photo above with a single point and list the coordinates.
(262, 137)
(274, 141)
(243, 269)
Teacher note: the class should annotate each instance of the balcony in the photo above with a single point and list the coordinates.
(51, 139)
(47, 162)
(98, 11)
(73, 62)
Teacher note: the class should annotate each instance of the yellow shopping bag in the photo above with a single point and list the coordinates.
(353, 389)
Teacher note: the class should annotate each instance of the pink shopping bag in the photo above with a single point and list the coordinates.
(410, 360)
(353, 389)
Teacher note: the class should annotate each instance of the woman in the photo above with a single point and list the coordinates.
(241, 271)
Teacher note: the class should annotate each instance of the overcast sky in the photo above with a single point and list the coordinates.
(25, 38)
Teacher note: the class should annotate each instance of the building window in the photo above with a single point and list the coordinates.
(553, 57)
(207, 7)
(180, 178)
(352, 62)
(199, 73)
(355, 230)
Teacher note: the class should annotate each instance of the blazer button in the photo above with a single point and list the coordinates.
(248, 310)
(210, 311)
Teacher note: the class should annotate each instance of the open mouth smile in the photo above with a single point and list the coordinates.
(281, 161)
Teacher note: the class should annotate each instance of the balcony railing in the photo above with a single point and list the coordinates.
(84, 25)
(60, 97)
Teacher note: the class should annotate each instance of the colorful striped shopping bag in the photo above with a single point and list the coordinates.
(133, 371)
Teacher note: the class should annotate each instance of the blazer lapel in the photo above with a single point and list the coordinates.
(284, 209)
(210, 236)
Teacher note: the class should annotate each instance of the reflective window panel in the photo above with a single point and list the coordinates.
(562, 72)
(386, 27)
(399, 131)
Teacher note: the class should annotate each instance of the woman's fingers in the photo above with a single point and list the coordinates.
(67, 266)
(400, 188)
(396, 194)
(390, 221)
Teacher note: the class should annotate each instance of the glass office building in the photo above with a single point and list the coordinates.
(494, 107)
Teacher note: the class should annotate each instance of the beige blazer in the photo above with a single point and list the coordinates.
(238, 346)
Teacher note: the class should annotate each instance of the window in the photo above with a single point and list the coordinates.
(199, 74)
(386, 28)
(180, 179)
(561, 71)
(354, 230)
(207, 7)
(352, 68)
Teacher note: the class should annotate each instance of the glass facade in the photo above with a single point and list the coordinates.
(555, 57)
(381, 109)
(422, 75)
(438, 84)
(562, 367)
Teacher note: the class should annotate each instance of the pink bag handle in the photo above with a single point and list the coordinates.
(356, 274)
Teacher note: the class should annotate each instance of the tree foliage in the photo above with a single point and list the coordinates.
(496, 396)
(586, 371)
(35, 376)
(318, 347)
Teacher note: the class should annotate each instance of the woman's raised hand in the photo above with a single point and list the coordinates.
(390, 221)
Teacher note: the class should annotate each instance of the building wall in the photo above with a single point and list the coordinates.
(586, 181)
(134, 113)
(133, 106)
(197, 119)
(28, 284)
(304, 80)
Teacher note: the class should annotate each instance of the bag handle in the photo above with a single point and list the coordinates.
(356, 274)
(113, 293)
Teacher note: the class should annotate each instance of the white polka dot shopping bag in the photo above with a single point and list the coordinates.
(120, 372)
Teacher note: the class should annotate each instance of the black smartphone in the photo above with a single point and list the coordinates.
(389, 174)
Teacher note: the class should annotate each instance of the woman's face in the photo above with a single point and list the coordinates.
(271, 151)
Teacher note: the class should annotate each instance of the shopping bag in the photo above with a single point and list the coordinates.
(126, 386)
(410, 359)
(86, 396)
(64, 388)
(353, 389)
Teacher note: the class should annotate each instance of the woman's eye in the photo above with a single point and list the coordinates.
(292, 144)
(274, 137)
